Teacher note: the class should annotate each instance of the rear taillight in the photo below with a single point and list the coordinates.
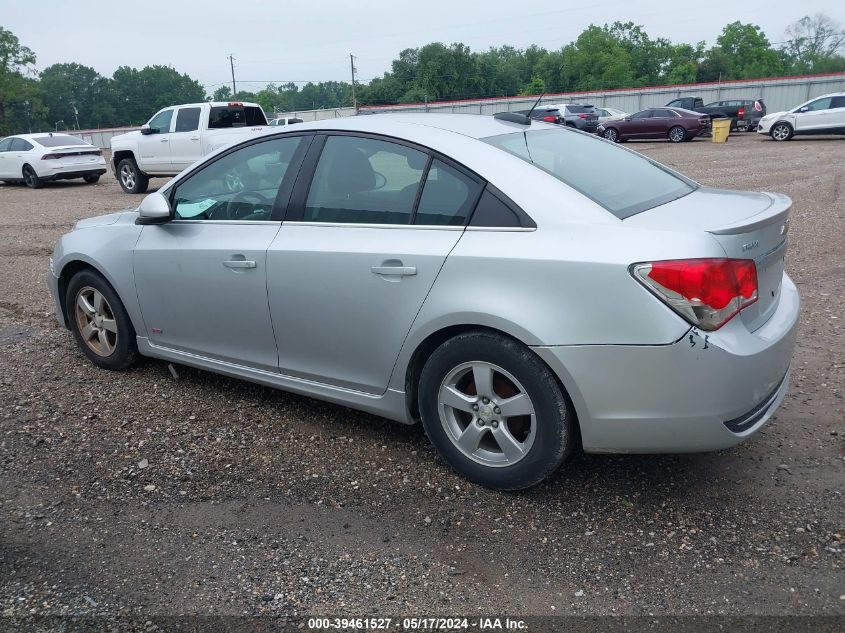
(740, 113)
(550, 119)
(50, 156)
(583, 115)
(706, 292)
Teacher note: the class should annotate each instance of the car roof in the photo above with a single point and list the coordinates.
(413, 125)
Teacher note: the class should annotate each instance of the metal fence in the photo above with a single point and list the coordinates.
(779, 94)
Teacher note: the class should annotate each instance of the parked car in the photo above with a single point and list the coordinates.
(744, 114)
(578, 115)
(608, 114)
(412, 266)
(675, 124)
(822, 115)
(178, 136)
(547, 114)
(34, 159)
(285, 120)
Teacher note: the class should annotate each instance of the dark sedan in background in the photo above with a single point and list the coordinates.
(675, 124)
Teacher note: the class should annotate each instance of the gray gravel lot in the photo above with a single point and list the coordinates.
(136, 494)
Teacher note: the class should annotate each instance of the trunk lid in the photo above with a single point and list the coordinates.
(746, 225)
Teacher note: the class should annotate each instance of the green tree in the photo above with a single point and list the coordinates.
(77, 93)
(223, 93)
(536, 87)
(749, 52)
(814, 43)
(138, 94)
(20, 97)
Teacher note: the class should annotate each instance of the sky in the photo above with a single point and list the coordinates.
(299, 41)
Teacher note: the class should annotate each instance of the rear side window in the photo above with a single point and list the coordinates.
(20, 145)
(663, 114)
(187, 119)
(59, 140)
(837, 102)
(491, 211)
(447, 198)
(235, 116)
(638, 184)
(5, 145)
(364, 181)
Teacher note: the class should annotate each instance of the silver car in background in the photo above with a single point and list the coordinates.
(460, 271)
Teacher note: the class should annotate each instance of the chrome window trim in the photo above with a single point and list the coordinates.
(425, 227)
(262, 222)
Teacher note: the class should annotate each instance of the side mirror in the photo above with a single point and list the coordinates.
(154, 209)
(146, 129)
(804, 109)
(627, 118)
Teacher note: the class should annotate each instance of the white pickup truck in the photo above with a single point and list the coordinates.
(178, 136)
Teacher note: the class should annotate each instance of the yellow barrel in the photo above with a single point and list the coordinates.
(721, 130)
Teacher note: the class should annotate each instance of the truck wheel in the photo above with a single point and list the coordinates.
(781, 131)
(130, 177)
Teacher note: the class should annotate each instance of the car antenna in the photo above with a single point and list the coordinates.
(515, 117)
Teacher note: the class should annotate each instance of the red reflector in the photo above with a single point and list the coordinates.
(549, 119)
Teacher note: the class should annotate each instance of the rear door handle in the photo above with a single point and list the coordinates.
(400, 271)
(239, 263)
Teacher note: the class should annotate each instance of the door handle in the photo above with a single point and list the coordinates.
(399, 271)
(195, 138)
(239, 263)
(164, 140)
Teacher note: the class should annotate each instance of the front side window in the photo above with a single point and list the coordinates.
(819, 104)
(160, 123)
(640, 183)
(188, 119)
(447, 198)
(364, 181)
(240, 186)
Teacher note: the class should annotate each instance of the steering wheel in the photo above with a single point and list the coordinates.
(242, 204)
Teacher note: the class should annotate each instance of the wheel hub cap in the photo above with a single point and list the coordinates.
(96, 322)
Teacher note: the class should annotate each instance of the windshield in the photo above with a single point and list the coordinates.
(58, 140)
(625, 184)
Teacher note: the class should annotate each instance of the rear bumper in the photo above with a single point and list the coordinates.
(702, 393)
(59, 171)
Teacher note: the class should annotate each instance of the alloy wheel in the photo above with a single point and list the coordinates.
(611, 135)
(127, 177)
(29, 176)
(487, 414)
(96, 322)
(780, 132)
(677, 134)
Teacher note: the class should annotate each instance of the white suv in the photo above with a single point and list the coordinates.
(821, 115)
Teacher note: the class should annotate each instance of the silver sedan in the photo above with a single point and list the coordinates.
(462, 271)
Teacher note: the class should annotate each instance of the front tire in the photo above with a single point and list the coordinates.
(130, 177)
(494, 411)
(91, 178)
(31, 179)
(781, 132)
(99, 322)
(677, 134)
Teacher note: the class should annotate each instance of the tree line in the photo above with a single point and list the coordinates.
(619, 55)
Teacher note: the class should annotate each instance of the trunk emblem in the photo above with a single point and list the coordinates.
(750, 245)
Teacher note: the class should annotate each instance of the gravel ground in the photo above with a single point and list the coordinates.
(138, 495)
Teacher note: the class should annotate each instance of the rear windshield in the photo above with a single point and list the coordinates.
(626, 183)
(58, 140)
(577, 109)
(235, 116)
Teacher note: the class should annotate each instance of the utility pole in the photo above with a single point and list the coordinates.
(352, 66)
(232, 66)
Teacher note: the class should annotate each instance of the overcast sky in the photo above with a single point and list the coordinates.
(311, 41)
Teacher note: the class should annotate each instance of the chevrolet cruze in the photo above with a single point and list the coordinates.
(457, 270)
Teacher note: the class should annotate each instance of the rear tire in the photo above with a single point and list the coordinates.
(130, 177)
(31, 179)
(494, 411)
(99, 322)
(91, 178)
(611, 135)
(677, 134)
(781, 132)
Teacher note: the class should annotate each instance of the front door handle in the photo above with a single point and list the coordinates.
(239, 263)
(164, 140)
(399, 271)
